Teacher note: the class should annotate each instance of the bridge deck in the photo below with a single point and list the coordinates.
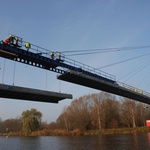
(89, 81)
(16, 92)
(78, 73)
(30, 58)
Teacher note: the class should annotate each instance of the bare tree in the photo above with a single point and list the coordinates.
(128, 112)
(100, 111)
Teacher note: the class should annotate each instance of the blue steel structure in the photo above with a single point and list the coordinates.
(71, 70)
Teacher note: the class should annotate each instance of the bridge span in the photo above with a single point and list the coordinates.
(17, 92)
(117, 88)
(71, 71)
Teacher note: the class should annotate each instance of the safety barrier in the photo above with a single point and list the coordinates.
(76, 64)
(134, 89)
(70, 64)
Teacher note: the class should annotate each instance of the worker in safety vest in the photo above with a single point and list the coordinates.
(58, 56)
(11, 39)
(6, 40)
(52, 55)
(28, 46)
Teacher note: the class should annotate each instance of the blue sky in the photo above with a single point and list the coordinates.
(62, 25)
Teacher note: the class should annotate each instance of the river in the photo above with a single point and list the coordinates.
(101, 142)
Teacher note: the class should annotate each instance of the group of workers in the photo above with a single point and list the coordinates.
(13, 40)
(56, 56)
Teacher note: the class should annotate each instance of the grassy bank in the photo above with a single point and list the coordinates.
(78, 132)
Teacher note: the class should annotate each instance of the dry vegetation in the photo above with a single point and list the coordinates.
(90, 115)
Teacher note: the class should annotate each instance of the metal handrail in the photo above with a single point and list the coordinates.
(46, 52)
(76, 64)
(134, 89)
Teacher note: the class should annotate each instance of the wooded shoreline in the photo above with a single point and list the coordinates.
(78, 132)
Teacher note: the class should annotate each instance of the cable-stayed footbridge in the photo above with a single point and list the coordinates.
(69, 70)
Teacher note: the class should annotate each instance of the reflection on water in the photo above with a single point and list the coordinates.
(108, 142)
(148, 135)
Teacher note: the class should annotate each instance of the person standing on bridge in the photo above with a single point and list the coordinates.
(28, 46)
(6, 40)
(17, 40)
(10, 40)
(52, 55)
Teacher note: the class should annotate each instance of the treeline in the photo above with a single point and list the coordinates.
(29, 121)
(91, 112)
(13, 125)
(102, 111)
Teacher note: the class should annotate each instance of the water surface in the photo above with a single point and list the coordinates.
(107, 142)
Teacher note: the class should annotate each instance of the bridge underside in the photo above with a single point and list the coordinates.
(88, 81)
(16, 92)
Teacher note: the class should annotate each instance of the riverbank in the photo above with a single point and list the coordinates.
(78, 132)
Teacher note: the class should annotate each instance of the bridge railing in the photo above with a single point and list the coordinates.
(134, 89)
(46, 53)
(71, 62)
(89, 69)
(37, 49)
